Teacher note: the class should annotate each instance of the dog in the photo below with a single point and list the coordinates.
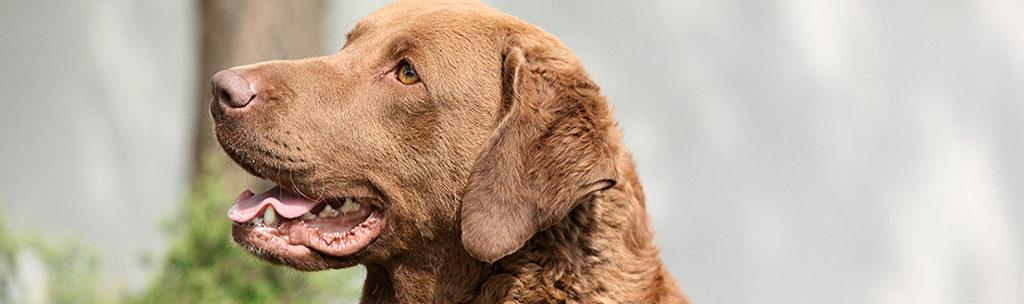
(462, 155)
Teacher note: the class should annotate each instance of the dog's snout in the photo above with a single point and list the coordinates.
(232, 90)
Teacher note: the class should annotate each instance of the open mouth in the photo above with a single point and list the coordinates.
(282, 221)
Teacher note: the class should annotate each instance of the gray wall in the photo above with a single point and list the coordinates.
(792, 151)
(95, 105)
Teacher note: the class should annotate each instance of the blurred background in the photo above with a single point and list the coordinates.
(792, 151)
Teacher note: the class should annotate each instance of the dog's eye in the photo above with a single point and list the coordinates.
(406, 74)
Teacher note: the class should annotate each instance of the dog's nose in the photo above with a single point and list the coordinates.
(231, 89)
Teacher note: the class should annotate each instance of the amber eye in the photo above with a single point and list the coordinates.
(406, 74)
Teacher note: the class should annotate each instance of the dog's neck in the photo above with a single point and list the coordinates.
(446, 280)
(601, 250)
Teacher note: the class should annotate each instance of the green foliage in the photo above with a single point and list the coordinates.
(204, 266)
(8, 246)
(8, 254)
(70, 265)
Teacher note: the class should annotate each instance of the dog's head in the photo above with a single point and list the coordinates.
(438, 124)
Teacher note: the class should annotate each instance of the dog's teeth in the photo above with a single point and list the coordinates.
(349, 206)
(308, 215)
(270, 216)
(257, 220)
(328, 211)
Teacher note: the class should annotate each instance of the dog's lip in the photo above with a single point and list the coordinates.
(295, 238)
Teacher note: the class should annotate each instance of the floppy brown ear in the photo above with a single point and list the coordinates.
(550, 150)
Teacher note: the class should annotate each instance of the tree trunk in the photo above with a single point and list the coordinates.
(237, 32)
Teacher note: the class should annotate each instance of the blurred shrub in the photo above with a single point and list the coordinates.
(8, 254)
(71, 269)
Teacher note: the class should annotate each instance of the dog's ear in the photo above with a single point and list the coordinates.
(550, 149)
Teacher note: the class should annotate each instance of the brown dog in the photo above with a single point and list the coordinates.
(460, 154)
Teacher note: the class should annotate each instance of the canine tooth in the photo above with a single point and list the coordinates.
(349, 206)
(270, 216)
(308, 215)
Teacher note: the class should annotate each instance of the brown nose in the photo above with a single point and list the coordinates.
(231, 90)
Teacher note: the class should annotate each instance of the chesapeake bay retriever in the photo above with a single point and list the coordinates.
(460, 154)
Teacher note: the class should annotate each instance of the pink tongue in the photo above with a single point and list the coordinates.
(287, 203)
